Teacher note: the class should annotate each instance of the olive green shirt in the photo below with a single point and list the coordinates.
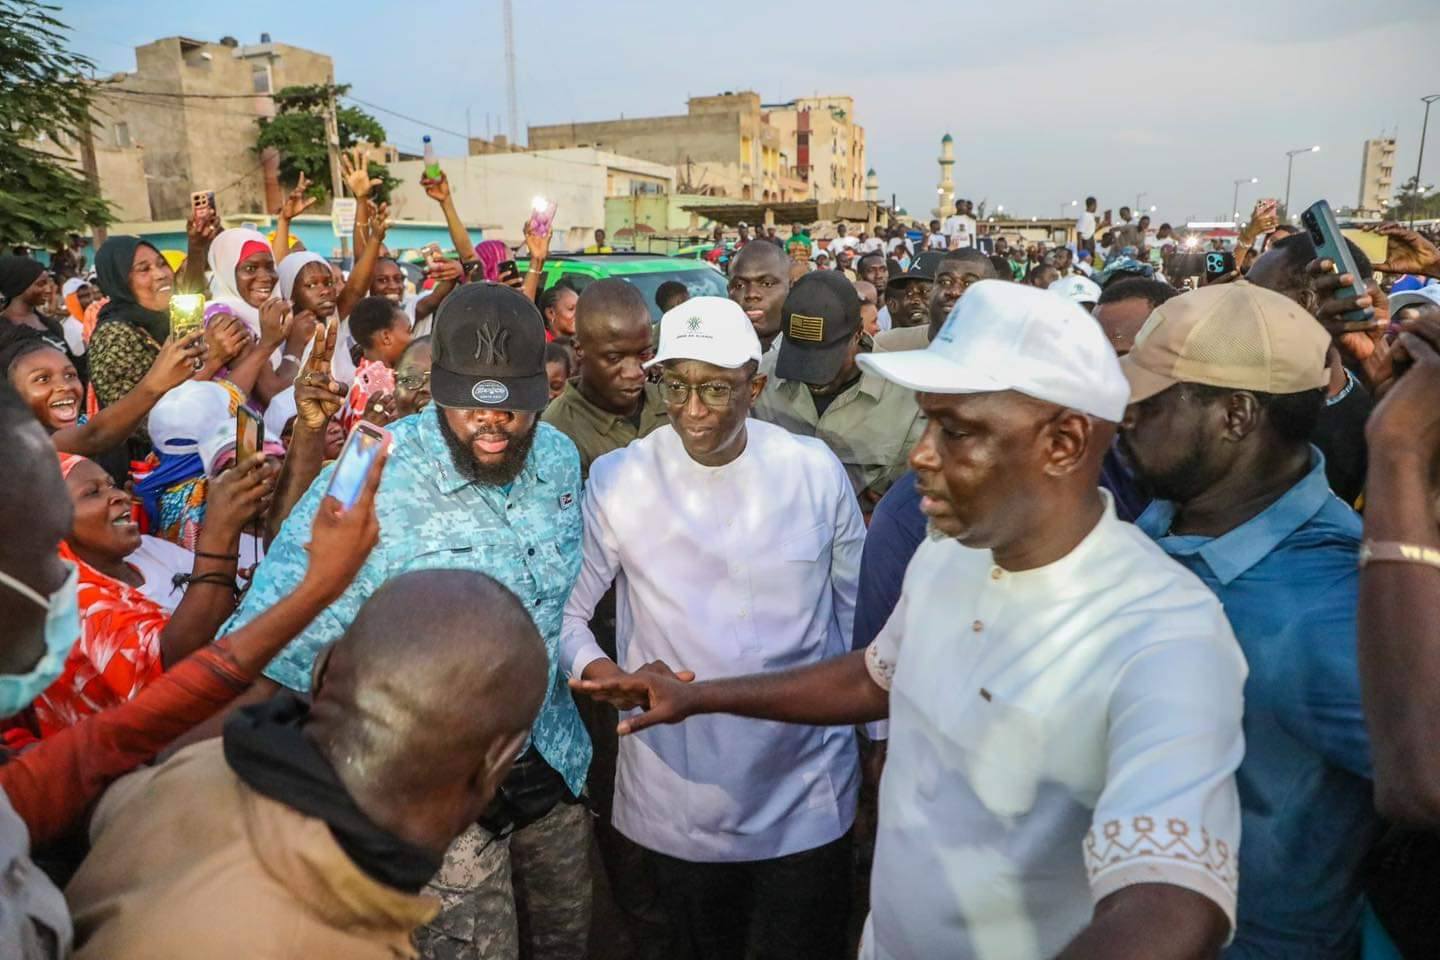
(596, 432)
(871, 427)
(902, 338)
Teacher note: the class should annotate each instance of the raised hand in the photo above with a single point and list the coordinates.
(1407, 251)
(226, 338)
(1324, 281)
(177, 362)
(381, 409)
(380, 222)
(302, 329)
(297, 202)
(317, 396)
(436, 188)
(355, 168)
(201, 229)
(237, 496)
(443, 270)
(276, 322)
(537, 245)
(1409, 416)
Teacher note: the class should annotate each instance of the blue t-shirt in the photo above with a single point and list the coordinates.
(1289, 580)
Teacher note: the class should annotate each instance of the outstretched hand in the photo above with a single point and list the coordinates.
(355, 169)
(317, 396)
(297, 202)
(436, 188)
(665, 696)
(340, 539)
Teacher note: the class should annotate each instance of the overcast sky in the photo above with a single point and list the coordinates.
(1045, 106)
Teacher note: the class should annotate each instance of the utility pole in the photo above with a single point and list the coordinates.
(1419, 159)
(511, 101)
(92, 171)
(337, 182)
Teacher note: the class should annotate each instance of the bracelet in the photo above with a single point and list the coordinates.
(290, 358)
(218, 556)
(1386, 551)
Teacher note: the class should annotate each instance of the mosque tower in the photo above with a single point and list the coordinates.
(872, 186)
(946, 191)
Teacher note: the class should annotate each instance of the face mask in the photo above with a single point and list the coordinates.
(62, 629)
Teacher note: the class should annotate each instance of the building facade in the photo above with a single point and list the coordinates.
(193, 107)
(731, 145)
(1377, 176)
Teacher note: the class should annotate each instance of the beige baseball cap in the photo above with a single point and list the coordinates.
(1234, 335)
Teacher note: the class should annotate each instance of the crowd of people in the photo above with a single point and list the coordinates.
(920, 600)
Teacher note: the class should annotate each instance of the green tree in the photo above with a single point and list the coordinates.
(1414, 202)
(44, 96)
(298, 131)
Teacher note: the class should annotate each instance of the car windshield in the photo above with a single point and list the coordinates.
(700, 283)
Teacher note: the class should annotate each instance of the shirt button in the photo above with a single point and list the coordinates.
(537, 601)
(531, 551)
(977, 626)
(996, 573)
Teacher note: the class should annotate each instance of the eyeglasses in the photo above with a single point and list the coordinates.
(412, 381)
(714, 395)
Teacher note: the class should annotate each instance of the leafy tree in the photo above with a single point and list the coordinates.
(1415, 201)
(298, 131)
(44, 95)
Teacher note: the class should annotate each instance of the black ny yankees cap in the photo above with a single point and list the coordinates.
(489, 344)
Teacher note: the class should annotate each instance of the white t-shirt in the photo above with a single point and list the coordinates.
(1085, 224)
(964, 236)
(872, 245)
(1056, 734)
(953, 226)
(936, 241)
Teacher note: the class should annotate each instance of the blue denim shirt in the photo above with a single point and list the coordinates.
(1288, 581)
(526, 537)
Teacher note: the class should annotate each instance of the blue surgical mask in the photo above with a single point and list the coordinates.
(62, 629)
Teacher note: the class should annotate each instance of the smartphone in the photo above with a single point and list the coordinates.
(364, 444)
(542, 215)
(249, 433)
(1269, 205)
(432, 252)
(201, 199)
(1319, 221)
(187, 314)
(1219, 264)
(375, 379)
(508, 268)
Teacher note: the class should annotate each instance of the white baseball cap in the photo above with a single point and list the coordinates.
(1079, 289)
(1012, 336)
(1428, 295)
(713, 330)
(186, 415)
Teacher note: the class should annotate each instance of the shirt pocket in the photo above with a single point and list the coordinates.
(998, 753)
(784, 579)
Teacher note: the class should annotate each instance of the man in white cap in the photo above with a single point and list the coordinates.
(735, 547)
(1082, 290)
(1064, 701)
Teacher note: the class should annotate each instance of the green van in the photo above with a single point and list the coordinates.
(645, 270)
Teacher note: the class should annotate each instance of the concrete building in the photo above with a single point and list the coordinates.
(945, 191)
(730, 145)
(495, 191)
(1377, 176)
(826, 142)
(119, 160)
(192, 107)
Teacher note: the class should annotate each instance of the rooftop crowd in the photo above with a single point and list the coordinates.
(921, 599)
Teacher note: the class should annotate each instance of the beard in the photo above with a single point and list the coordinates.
(493, 475)
(1180, 484)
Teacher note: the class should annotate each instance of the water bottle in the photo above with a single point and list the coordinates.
(432, 165)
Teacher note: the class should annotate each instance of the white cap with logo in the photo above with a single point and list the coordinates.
(712, 330)
(1011, 336)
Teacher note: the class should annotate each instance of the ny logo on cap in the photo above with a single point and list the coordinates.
(491, 347)
(807, 328)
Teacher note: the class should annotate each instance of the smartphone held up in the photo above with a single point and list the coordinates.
(1319, 223)
(542, 216)
(365, 443)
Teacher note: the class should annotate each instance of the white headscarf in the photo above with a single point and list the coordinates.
(224, 258)
(290, 268)
(281, 411)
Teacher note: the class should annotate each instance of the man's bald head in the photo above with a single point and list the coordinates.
(759, 281)
(606, 304)
(756, 255)
(426, 699)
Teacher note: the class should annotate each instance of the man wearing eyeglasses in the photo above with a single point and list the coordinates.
(815, 388)
(735, 546)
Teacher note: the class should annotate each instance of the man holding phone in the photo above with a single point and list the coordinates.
(477, 482)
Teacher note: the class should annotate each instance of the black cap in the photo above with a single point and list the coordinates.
(921, 268)
(489, 344)
(817, 324)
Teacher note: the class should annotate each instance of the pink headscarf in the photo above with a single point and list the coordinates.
(492, 253)
(68, 462)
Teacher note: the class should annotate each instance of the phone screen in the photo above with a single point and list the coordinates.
(249, 429)
(187, 313)
(542, 216)
(364, 445)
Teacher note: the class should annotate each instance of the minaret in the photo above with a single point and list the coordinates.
(872, 186)
(946, 192)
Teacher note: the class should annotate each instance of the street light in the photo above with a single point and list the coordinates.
(1420, 159)
(999, 208)
(1235, 200)
(1290, 156)
(1072, 203)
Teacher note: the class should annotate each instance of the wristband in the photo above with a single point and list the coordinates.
(290, 358)
(1389, 551)
(218, 556)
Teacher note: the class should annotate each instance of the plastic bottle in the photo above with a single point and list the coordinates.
(432, 164)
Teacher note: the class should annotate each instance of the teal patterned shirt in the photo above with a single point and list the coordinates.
(527, 538)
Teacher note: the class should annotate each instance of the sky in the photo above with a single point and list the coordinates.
(1046, 106)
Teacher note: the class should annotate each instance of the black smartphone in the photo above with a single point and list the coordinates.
(1319, 222)
(508, 269)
